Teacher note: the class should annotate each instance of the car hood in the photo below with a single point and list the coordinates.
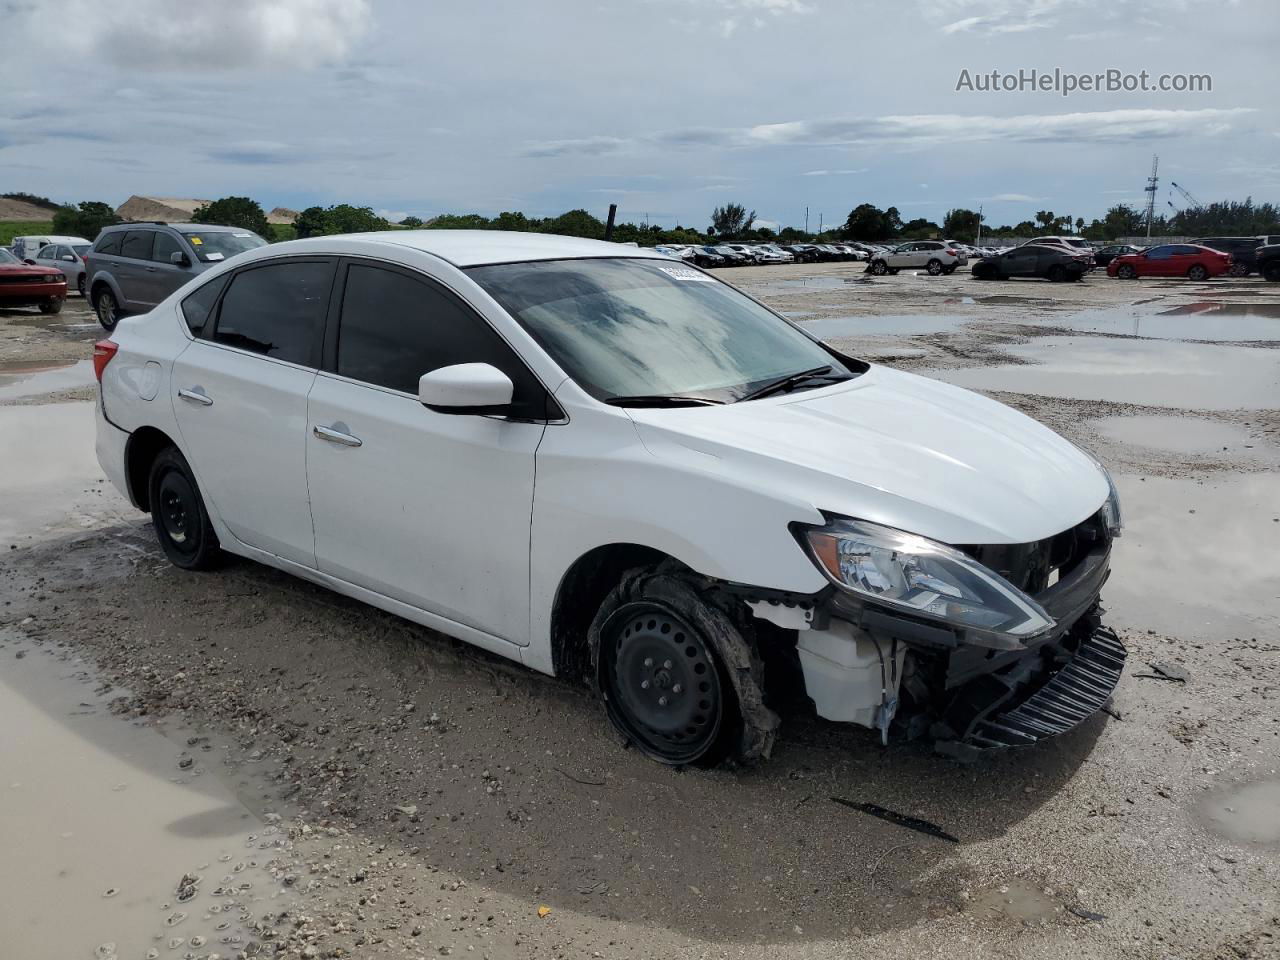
(27, 270)
(892, 448)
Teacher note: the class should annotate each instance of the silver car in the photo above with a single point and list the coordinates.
(934, 255)
(67, 257)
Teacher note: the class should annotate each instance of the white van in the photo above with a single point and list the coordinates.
(25, 248)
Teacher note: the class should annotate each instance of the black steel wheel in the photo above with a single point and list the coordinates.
(1271, 271)
(178, 513)
(662, 684)
(51, 306)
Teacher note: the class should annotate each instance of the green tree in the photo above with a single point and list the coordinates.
(1079, 224)
(411, 222)
(312, 222)
(84, 220)
(509, 220)
(920, 229)
(729, 221)
(866, 221)
(344, 218)
(574, 223)
(961, 224)
(1045, 219)
(459, 221)
(234, 212)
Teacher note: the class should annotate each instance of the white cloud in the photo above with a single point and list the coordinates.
(581, 146)
(995, 17)
(225, 35)
(832, 173)
(1015, 198)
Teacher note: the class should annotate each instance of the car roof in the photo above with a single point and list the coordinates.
(470, 248)
(197, 227)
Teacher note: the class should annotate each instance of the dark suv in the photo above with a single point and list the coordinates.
(1242, 251)
(134, 266)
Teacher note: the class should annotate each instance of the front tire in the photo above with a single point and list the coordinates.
(674, 672)
(178, 513)
(1126, 272)
(879, 268)
(1238, 270)
(1197, 273)
(1271, 271)
(51, 306)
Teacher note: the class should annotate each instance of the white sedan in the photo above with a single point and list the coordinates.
(614, 467)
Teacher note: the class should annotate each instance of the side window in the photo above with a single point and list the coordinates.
(109, 243)
(48, 252)
(277, 310)
(165, 245)
(395, 328)
(1159, 253)
(137, 244)
(197, 307)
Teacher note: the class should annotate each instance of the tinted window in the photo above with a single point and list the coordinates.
(198, 307)
(1160, 253)
(165, 245)
(137, 244)
(109, 242)
(395, 328)
(214, 245)
(277, 310)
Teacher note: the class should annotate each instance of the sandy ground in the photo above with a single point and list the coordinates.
(239, 763)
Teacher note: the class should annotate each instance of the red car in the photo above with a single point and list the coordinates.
(1171, 260)
(23, 285)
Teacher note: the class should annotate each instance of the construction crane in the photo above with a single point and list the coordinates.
(1153, 183)
(1186, 195)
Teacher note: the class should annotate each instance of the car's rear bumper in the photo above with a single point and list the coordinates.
(110, 444)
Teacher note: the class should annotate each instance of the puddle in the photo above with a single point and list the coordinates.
(1151, 372)
(1180, 435)
(800, 284)
(1019, 900)
(1195, 321)
(31, 379)
(1198, 559)
(50, 480)
(1249, 814)
(100, 824)
(907, 325)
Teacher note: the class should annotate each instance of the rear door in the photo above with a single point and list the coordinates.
(431, 509)
(130, 270)
(241, 400)
(163, 275)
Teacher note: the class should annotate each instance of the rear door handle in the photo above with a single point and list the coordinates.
(336, 436)
(196, 397)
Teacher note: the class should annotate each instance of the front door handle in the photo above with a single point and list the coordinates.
(336, 436)
(195, 397)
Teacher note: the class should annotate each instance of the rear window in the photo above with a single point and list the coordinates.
(197, 308)
(215, 245)
(277, 310)
(109, 243)
(137, 244)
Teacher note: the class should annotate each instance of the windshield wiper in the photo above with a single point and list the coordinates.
(793, 380)
(661, 400)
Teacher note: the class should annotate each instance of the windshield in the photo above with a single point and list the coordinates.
(219, 245)
(81, 249)
(629, 327)
(7, 257)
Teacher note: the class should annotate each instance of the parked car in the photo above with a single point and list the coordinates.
(368, 412)
(1268, 261)
(1072, 243)
(934, 255)
(1268, 240)
(707, 257)
(67, 257)
(1049, 261)
(1106, 254)
(30, 285)
(804, 252)
(772, 253)
(26, 247)
(749, 252)
(133, 266)
(1241, 249)
(1171, 260)
(734, 258)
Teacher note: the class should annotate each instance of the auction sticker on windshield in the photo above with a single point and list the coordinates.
(681, 273)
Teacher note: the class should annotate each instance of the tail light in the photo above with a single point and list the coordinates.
(103, 351)
(952, 253)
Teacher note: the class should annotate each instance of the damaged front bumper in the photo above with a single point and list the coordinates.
(911, 677)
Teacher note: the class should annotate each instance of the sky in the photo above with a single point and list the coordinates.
(667, 108)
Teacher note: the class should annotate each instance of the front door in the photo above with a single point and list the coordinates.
(431, 509)
(241, 402)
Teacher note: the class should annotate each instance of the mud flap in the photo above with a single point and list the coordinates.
(1070, 696)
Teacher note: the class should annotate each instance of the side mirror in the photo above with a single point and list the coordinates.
(69, 258)
(465, 388)
(179, 259)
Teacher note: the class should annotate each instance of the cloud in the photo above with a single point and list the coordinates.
(996, 17)
(225, 35)
(253, 152)
(582, 146)
(833, 173)
(1015, 198)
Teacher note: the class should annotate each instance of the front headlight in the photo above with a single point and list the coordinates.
(1111, 518)
(923, 577)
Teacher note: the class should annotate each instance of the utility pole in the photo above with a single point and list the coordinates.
(608, 227)
(1153, 182)
(820, 226)
(806, 221)
(978, 242)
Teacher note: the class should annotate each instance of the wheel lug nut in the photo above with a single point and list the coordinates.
(677, 688)
(644, 684)
(666, 664)
(662, 701)
(648, 661)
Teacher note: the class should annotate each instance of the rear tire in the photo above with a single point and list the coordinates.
(674, 671)
(108, 311)
(80, 284)
(1197, 273)
(178, 513)
(1057, 273)
(1271, 271)
(1238, 270)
